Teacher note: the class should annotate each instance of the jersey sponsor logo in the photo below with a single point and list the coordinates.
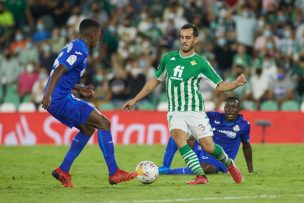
(229, 134)
(217, 122)
(236, 128)
(193, 62)
(177, 73)
(71, 60)
(78, 52)
(172, 59)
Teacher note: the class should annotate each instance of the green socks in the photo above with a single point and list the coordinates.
(220, 155)
(191, 160)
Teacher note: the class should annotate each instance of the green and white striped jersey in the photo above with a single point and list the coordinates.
(183, 75)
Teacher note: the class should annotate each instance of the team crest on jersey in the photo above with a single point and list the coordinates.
(71, 60)
(236, 128)
(193, 62)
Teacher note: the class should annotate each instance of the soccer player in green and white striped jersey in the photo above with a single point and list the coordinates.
(182, 71)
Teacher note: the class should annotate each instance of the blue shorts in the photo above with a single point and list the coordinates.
(70, 111)
(206, 158)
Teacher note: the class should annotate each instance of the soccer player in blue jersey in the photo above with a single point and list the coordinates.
(59, 101)
(230, 129)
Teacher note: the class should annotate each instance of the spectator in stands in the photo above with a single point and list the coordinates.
(9, 70)
(281, 88)
(46, 56)
(26, 80)
(39, 86)
(119, 87)
(41, 32)
(258, 87)
(20, 12)
(246, 25)
(6, 25)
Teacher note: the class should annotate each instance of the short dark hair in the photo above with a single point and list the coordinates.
(194, 28)
(233, 98)
(88, 25)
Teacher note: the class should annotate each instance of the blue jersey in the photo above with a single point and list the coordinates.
(64, 106)
(227, 134)
(74, 56)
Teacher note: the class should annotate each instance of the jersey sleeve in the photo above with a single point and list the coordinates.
(161, 72)
(209, 73)
(71, 56)
(245, 136)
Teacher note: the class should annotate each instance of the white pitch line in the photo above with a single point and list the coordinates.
(202, 199)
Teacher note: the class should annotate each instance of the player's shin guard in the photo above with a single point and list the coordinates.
(107, 147)
(78, 143)
(191, 160)
(220, 155)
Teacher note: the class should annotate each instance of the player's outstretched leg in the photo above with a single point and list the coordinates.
(100, 122)
(62, 173)
(223, 157)
(106, 145)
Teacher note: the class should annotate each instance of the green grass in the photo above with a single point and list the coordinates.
(25, 177)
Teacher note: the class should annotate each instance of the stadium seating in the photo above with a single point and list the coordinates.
(27, 107)
(249, 105)
(302, 106)
(290, 106)
(146, 106)
(7, 107)
(12, 95)
(162, 106)
(106, 106)
(269, 105)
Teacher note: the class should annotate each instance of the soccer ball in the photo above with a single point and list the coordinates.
(147, 172)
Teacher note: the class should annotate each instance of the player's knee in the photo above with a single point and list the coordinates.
(90, 131)
(105, 124)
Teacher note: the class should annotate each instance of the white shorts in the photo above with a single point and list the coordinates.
(195, 124)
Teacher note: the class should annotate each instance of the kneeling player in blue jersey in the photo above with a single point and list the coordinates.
(229, 129)
(60, 102)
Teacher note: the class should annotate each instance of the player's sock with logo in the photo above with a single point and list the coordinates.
(78, 143)
(107, 147)
(169, 153)
(191, 160)
(220, 154)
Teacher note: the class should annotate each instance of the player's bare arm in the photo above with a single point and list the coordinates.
(86, 91)
(248, 156)
(147, 89)
(58, 72)
(227, 86)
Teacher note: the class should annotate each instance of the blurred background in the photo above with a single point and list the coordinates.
(263, 39)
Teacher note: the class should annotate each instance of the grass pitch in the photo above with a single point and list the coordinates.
(25, 177)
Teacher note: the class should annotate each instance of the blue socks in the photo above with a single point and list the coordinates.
(180, 171)
(169, 153)
(78, 143)
(107, 147)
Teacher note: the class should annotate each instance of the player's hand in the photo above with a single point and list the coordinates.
(241, 80)
(128, 105)
(87, 91)
(46, 101)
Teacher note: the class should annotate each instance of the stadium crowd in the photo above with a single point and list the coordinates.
(263, 39)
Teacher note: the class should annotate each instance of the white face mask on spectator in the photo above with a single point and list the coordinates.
(43, 76)
(29, 68)
(18, 37)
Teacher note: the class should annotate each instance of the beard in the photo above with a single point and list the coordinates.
(187, 49)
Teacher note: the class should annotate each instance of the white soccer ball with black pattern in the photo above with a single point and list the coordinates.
(147, 172)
